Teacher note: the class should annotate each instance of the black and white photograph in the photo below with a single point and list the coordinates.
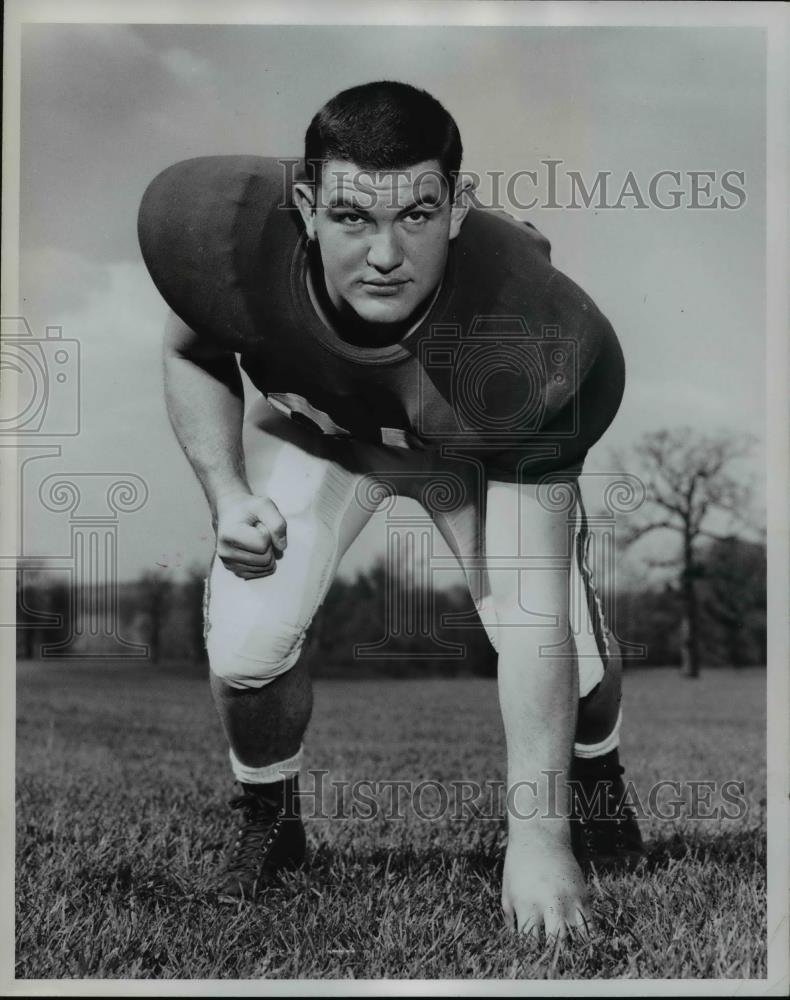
(394, 449)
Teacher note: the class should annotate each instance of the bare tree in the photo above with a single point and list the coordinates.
(690, 486)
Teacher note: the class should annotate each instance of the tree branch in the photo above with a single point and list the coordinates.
(634, 534)
(665, 563)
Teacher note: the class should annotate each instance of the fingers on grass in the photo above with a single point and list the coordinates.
(556, 925)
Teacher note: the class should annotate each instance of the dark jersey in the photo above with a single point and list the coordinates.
(513, 365)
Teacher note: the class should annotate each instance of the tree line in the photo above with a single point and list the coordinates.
(706, 607)
(364, 627)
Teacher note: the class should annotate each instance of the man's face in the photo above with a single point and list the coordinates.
(383, 237)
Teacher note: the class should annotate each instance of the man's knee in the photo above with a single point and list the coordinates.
(251, 655)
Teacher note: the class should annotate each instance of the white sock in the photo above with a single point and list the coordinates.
(267, 774)
(587, 750)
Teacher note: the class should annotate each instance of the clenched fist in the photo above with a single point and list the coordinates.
(251, 535)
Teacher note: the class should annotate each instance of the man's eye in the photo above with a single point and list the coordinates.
(351, 219)
(417, 216)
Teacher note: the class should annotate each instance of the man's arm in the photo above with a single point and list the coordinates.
(205, 403)
(528, 558)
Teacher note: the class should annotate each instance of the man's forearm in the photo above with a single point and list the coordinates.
(538, 697)
(205, 403)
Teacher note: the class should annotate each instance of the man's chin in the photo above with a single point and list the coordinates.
(381, 313)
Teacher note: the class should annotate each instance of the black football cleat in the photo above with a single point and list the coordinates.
(270, 840)
(604, 829)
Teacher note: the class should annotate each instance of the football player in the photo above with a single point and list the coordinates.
(403, 340)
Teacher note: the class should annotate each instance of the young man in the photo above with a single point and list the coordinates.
(399, 338)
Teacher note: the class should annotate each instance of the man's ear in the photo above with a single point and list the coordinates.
(461, 203)
(304, 197)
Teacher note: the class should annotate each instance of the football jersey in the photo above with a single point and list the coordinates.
(512, 366)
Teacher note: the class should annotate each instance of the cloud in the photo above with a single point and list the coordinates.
(123, 424)
(94, 77)
(55, 282)
(99, 111)
(105, 107)
(118, 320)
(187, 67)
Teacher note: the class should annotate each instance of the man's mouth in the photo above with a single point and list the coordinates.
(384, 286)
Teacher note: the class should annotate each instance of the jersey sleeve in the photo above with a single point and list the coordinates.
(180, 230)
(189, 230)
(541, 242)
(585, 383)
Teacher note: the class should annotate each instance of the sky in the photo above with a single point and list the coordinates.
(106, 107)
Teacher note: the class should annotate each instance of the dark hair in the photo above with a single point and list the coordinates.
(383, 126)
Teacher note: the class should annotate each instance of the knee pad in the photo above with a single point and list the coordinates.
(250, 645)
(237, 669)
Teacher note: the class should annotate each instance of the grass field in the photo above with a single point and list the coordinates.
(121, 819)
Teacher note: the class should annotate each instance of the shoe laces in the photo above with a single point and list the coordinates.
(617, 810)
(260, 824)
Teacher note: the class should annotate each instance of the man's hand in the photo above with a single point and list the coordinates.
(251, 535)
(543, 888)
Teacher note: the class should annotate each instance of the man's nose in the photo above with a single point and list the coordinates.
(384, 252)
